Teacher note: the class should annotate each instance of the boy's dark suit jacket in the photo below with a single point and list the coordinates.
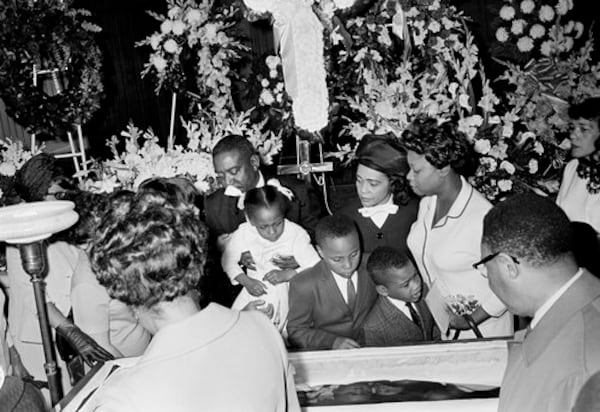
(318, 313)
(386, 325)
(223, 216)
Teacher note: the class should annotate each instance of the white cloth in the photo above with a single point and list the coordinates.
(342, 284)
(378, 214)
(575, 200)
(22, 312)
(542, 310)
(401, 306)
(216, 360)
(294, 241)
(445, 252)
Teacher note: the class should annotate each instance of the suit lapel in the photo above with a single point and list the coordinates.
(331, 288)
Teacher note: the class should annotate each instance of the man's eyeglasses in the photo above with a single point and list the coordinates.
(480, 266)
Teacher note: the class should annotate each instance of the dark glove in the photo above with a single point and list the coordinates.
(87, 347)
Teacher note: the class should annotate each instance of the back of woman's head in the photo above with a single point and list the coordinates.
(36, 176)
(177, 190)
(384, 154)
(441, 144)
(268, 197)
(154, 252)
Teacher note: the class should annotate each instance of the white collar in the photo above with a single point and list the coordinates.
(542, 310)
(379, 213)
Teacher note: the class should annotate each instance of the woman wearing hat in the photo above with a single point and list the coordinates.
(383, 208)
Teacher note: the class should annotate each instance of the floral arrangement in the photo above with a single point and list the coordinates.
(13, 156)
(143, 157)
(465, 306)
(49, 36)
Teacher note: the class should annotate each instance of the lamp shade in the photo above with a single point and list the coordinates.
(30, 222)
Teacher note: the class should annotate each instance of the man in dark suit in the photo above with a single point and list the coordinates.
(400, 314)
(237, 164)
(329, 302)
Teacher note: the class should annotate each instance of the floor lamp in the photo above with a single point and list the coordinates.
(26, 226)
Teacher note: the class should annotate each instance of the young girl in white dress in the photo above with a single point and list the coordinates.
(273, 250)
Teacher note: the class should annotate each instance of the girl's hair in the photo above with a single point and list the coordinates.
(441, 144)
(384, 154)
(265, 197)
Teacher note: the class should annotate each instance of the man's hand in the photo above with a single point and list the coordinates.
(247, 261)
(87, 347)
(260, 306)
(344, 343)
(285, 262)
(279, 276)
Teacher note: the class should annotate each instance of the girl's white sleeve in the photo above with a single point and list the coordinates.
(304, 252)
(232, 254)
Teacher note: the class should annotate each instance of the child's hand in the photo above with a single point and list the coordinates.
(260, 306)
(247, 261)
(344, 343)
(255, 287)
(285, 262)
(279, 276)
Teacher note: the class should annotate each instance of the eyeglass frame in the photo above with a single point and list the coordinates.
(488, 258)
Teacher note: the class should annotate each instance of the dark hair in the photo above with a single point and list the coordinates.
(176, 190)
(153, 253)
(589, 109)
(265, 197)
(442, 145)
(384, 258)
(234, 143)
(90, 207)
(334, 226)
(34, 178)
(529, 227)
(384, 154)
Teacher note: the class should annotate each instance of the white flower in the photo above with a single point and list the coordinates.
(264, 83)
(546, 13)
(489, 163)
(170, 46)
(533, 166)
(525, 44)
(343, 4)
(546, 48)
(193, 16)
(518, 26)
(173, 12)
(463, 100)
(7, 169)
(482, 146)
(527, 6)
(565, 144)
(272, 62)
(508, 166)
(537, 31)
(434, 26)
(501, 34)
(505, 185)
(266, 98)
(507, 13)
(563, 6)
(538, 147)
(273, 74)
(210, 32)
(435, 5)
(166, 26)
(384, 109)
(578, 29)
(159, 63)
(155, 41)
(178, 27)
(568, 43)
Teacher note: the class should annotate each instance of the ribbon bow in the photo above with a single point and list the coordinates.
(233, 191)
(387, 209)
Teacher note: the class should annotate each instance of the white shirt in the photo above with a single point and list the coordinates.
(401, 305)
(574, 198)
(445, 253)
(542, 310)
(342, 284)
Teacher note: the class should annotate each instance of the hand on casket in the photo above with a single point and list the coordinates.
(88, 348)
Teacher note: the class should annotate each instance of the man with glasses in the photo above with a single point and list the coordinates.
(529, 263)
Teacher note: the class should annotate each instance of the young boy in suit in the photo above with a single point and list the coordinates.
(400, 314)
(329, 302)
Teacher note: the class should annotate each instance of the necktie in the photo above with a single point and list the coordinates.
(351, 293)
(414, 315)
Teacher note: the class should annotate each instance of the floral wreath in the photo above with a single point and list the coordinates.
(54, 38)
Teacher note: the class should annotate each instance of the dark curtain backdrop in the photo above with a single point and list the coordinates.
(129, 97)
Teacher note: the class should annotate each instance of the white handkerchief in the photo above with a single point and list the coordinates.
(233, 191)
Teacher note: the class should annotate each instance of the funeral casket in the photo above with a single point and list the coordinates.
(458, 376)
